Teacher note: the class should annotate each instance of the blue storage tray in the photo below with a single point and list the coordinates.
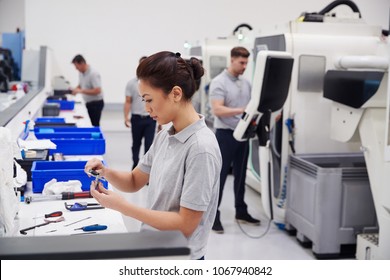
(50, 120)
(64, 104)
(68, 130)
(74, 140)
(44, 171)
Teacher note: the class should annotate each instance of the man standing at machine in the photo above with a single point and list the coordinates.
(229, 95)
(142, 125)
(90, 86)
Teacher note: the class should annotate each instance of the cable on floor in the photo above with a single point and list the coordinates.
(254, 236)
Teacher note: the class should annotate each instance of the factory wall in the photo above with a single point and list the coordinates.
(11, 15)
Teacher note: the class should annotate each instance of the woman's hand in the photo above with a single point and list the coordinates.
(106, 198)
(96, 165)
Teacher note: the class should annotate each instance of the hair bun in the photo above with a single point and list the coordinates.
(177, 54)
(197, 68)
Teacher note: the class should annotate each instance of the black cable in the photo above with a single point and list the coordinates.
(242, 25)
(336, 3)
(269, 221)
(319, 16)
(256, 236)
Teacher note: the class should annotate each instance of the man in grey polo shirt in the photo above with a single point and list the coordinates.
(90, 86)
(229, 94)
(142, 125)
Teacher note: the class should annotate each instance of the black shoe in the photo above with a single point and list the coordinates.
(247, 219)
(217, 226)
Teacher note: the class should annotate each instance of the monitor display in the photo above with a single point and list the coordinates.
(276, 82)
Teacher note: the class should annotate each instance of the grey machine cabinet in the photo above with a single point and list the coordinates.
(329, 201)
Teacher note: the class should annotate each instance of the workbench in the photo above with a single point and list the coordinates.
(61, 240)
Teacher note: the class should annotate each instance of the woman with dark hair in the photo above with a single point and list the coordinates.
(183, 164)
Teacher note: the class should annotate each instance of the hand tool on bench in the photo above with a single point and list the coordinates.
(60, 219)
(51, 215)
(94, 227)
(63, 196)
(79, 206)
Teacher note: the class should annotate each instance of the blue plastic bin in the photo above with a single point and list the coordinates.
(44, 171)
(49, 120)
(52, 122)
(74, 140)
(64, 104)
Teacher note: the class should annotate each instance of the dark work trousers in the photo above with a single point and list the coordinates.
(236, 153)
(141, 127)
(95, 109)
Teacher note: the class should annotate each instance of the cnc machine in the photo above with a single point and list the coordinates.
(337, 104)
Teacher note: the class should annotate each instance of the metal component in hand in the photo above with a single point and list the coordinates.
(97, 176)
(60, 219)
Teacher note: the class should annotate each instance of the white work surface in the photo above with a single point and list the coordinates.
(32, 214)
(29, 213)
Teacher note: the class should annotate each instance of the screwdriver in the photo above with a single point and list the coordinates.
(51, 215)
(94, 227)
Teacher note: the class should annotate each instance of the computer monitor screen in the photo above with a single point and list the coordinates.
(276, 82)
(270, 89)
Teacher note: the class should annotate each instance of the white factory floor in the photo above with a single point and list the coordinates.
(276, 244)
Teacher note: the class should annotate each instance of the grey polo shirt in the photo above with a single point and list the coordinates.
(137, 106)
(88, 80)
(184, 171)
(235, 92)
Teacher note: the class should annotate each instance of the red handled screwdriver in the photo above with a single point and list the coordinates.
(51, 215)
